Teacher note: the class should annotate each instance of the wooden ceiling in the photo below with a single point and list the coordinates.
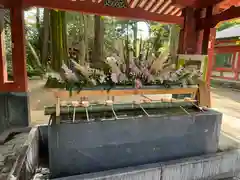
(224, 5)
(168, 11)
(163, 7)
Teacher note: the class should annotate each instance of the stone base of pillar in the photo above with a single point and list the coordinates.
(14, 111)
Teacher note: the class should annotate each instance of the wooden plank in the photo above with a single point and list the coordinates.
(204, 96)
(123, 92)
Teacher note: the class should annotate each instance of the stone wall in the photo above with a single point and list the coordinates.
(98, 146)
(14, 111)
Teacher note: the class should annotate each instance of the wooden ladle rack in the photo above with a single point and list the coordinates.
(59, 94)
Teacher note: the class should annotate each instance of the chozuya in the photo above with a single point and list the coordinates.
(115, 3)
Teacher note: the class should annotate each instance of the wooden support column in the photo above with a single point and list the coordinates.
(18, 51)
(208, 40)
(199, 33)
(188, 38)
(199, 42)
(206, 31)
(210, 53)
(14, 96)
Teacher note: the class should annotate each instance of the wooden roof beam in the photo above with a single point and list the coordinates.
(207, 3)
(6, 3)
(100, 9)
(231, 13)
(184, 3)
(195, 3)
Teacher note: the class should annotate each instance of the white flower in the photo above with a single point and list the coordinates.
(114, 77)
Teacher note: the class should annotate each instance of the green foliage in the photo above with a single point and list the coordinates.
(228, 24)
(32, 36)
(121, 36)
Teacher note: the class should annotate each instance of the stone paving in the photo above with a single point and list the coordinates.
(9, 152)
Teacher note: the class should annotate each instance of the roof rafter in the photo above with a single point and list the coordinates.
(196, 3)
(184, 3)
(99, 8)
(206, 3)
(231, 13)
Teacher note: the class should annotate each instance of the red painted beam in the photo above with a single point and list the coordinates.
(231, 13)
(100, 9)
(8, 87)
(220, 41)
(184, 3)
(195, 3)
(227, 49)
(223, 69)
(224, 5)
(207, 3)
(5, 3)
(222, 77)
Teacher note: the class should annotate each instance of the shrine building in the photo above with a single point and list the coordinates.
(226, 60)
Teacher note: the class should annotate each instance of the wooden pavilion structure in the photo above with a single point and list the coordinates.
(226, 60)
(196, 17)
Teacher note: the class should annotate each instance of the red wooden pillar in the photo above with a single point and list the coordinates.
(210, 52)
(208, 41)
(188, 38)
(206, 31)
(18, 51)
(199, 42)
(14, 102)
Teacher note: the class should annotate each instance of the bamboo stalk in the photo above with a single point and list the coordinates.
(124, 91)
(117, 107)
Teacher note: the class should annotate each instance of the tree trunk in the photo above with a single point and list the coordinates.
(135, 48)
(86, 20)
(173, 42)
(36, 63)
(97, 55)
(81, 39)
(39, 30)
(127, 51)
(58, 39)
(64, 47)
(38, 19)
(45, 39)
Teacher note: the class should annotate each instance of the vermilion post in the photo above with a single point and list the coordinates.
(189, 34)
(18, 49)
(210, 53)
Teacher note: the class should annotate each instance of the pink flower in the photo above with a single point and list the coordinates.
(138, 84)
